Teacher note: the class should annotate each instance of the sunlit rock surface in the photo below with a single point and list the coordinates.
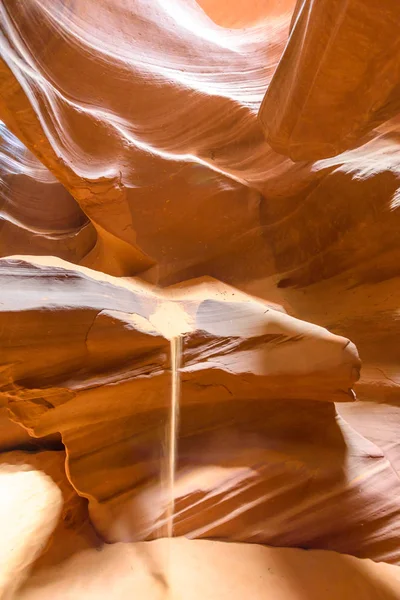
(112, 142)
(37, 215)
(337, 80)
(263, 455)
(204, 569)
(70, 529)
(253, 142)
(29, 510)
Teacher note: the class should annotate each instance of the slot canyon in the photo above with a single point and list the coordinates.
(200, 299)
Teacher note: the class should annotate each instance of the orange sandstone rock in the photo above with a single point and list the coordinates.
(258, 388)
(202, 569)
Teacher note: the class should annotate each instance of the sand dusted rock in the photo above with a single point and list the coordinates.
(202, 569)
(29, 509)
(257, 392)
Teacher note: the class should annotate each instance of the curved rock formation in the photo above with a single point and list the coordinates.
(134, 146)
(249, 373)
(251, 142)
(337, 80)
(37, 215)
(68, 530)
(29, 509)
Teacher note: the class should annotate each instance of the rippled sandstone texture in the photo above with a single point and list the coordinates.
(256, 143)
(263, 455)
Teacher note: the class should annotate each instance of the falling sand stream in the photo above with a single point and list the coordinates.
(173, 322)
(172, 433)
(173, 430)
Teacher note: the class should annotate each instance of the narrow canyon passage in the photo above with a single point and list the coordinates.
(200, 299)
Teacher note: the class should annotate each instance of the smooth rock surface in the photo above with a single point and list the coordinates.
(12, 435)
(262, 454)
(337, 79)
(37, 215)
(138, 151)
(72, 530)
(202, 569)
(135, 167)
(30, 505)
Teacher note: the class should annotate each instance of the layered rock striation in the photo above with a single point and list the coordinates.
(148, 151)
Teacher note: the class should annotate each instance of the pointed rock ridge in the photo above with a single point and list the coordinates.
(337, 79)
